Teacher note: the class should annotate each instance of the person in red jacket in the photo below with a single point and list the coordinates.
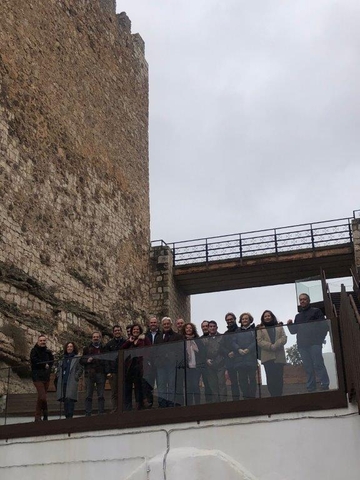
(134, 367)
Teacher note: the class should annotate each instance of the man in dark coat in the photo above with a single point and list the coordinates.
(169, 360)
(152, 334)
(114, 345)
(311, 329)
(94, 373)
(41, 359)
(229, 354)
(215, 363)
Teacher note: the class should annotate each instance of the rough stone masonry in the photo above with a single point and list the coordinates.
(74, 221)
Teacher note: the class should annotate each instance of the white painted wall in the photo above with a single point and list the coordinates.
(311, 446)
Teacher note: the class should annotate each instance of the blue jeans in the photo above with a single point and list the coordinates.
(95, 380)
(313, 362)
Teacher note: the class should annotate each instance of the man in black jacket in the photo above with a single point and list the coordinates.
(42, 360)
(114, 345)
(169, 364)
(311, 329)
(152, 334)
(94, 373)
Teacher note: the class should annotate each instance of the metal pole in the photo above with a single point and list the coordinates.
(185, 376)
(7, 396)
(312, 236)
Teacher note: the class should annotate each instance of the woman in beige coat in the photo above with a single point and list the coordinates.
(271, 339)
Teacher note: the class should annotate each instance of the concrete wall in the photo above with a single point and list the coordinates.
(167, 298)
(312, 446)
(74, 210)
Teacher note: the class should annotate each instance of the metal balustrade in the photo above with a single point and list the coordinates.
(276, 241)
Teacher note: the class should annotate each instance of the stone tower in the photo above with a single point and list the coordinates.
(74, 210)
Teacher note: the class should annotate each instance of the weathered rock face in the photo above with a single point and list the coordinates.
(74, 209)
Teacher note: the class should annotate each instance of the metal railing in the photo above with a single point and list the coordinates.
(306, 236)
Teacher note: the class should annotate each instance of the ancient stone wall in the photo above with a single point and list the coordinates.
(167, 299)
(74, 209)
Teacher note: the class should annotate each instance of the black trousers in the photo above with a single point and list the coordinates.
(275, 377)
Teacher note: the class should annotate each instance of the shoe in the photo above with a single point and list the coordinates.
(45, 417)
(114, 410)
(324, 388)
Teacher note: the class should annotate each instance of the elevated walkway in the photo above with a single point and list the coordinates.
(264, 257)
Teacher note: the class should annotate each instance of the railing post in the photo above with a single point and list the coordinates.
(240, 245)
(206, 251)
(185, 375)
(7, 396)
(312, 237)
(173, 252)
(350, 230)
(276, 245)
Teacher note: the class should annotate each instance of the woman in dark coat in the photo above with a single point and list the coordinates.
(68, 376)
(134, 367)
(245, 360)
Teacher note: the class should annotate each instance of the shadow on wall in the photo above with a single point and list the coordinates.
(193, 464)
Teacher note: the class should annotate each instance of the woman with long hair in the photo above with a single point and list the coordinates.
(134, 367)
(193, 362)
(68, 376)
(271, 339)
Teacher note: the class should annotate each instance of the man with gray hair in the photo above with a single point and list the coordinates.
(168, 361)
(311, 329)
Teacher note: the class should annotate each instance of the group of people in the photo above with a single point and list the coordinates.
(182, 361)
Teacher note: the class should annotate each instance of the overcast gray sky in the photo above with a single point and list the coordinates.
(254, 121)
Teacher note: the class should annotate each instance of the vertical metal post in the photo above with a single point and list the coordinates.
(185, 374)
(121, 381)
(240, 245)
(312, 237)
(7, 395)
(275, 239)
(258, 368)
(174, 254)
(206, 251)
(350, 230)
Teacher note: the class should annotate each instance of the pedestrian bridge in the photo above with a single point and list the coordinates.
(263, 257)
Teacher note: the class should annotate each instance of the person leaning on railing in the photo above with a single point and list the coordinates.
(271, 339)
(41, 359)
(311, 329)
